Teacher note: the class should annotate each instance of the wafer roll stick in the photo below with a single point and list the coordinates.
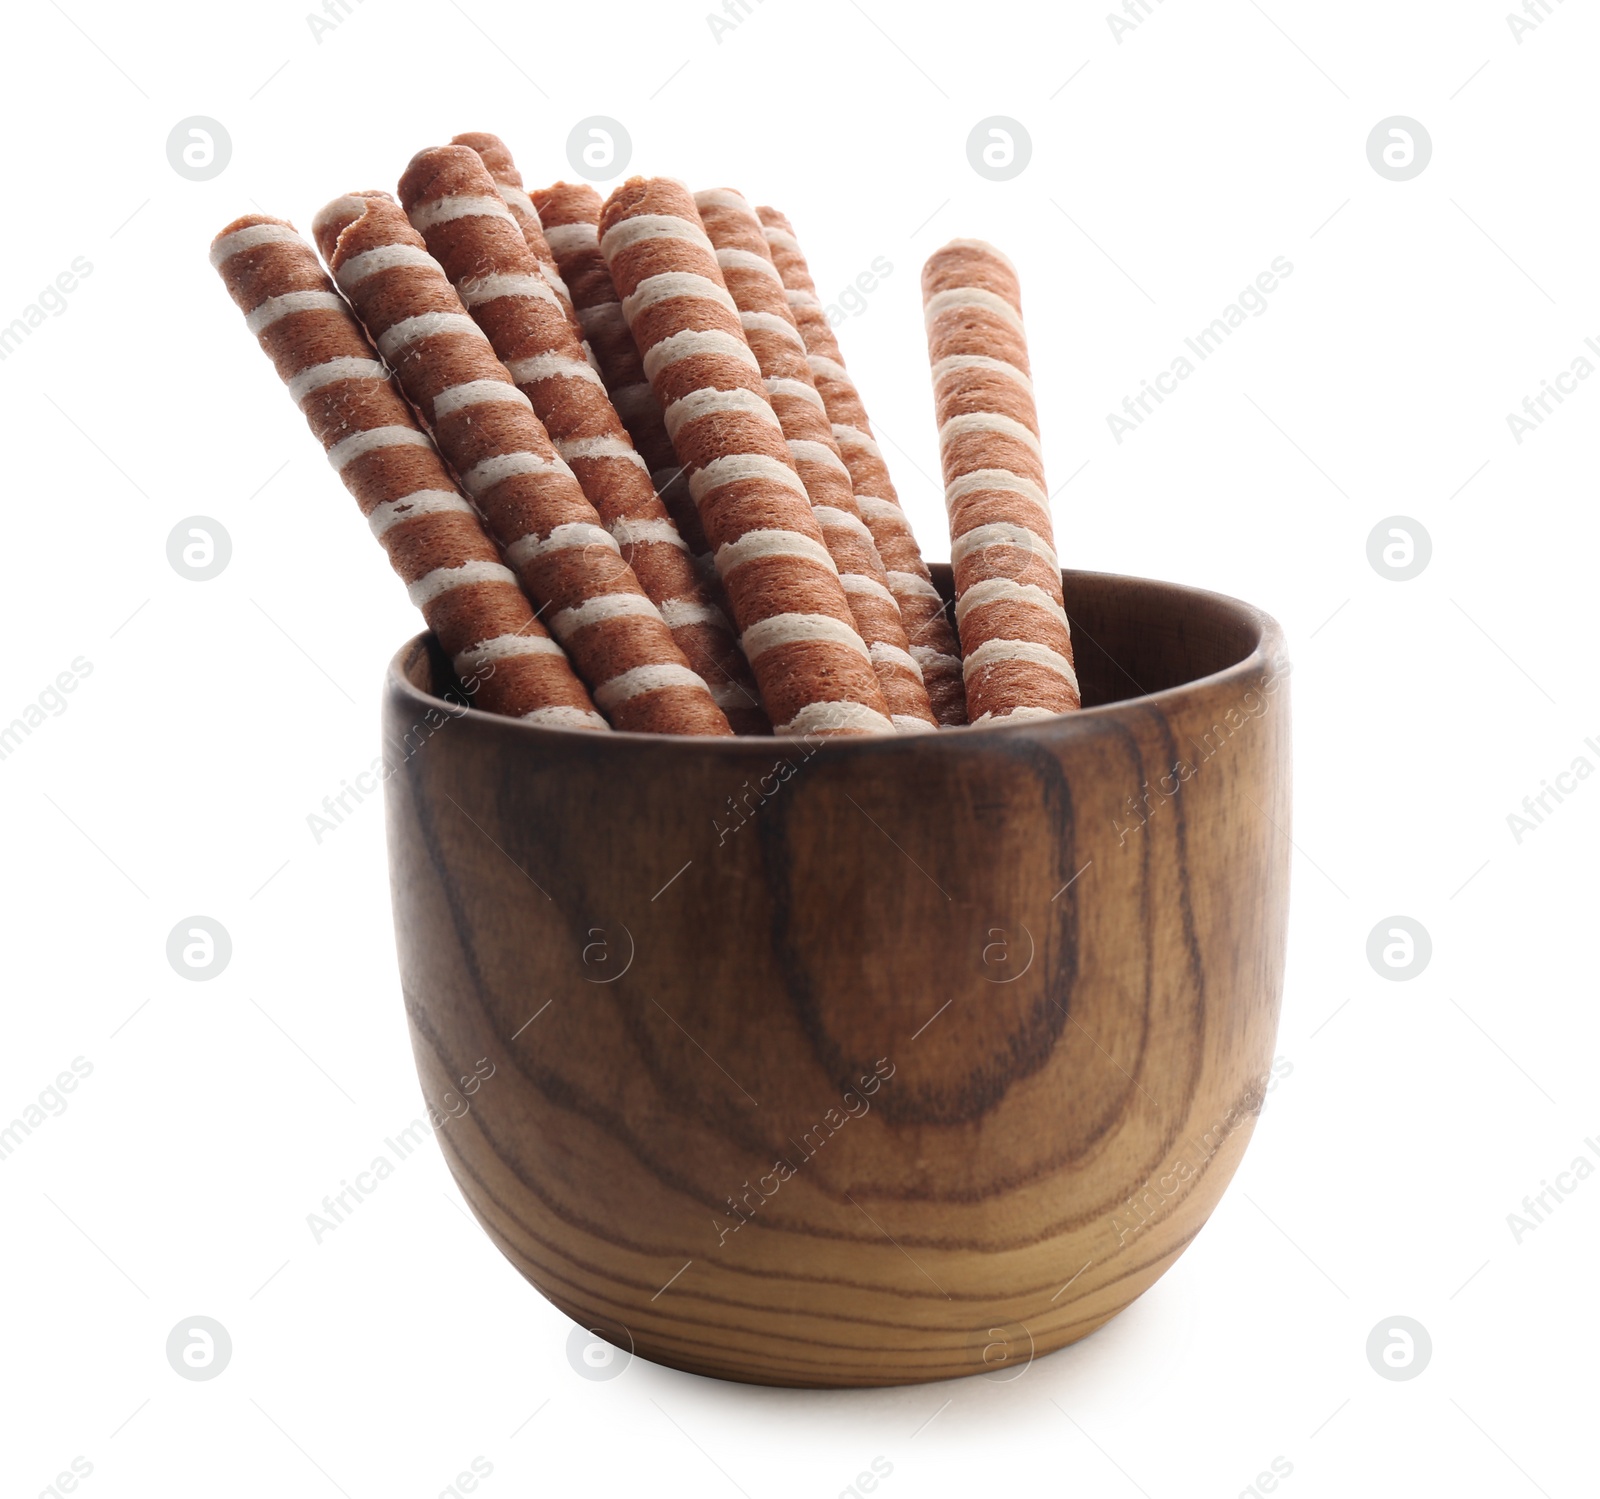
(568, 562)
(933, 641)
(794, 616)
(450, 197)
(571, 214)
(774, 338)
(1015, 644)
(435, 541)
(496, 156)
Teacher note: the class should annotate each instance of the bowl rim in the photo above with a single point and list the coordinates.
(1266, 650)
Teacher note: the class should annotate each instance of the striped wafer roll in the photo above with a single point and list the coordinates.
(485, 427)
(792, 611)
(450, 197)
(774, 338)
(1015, 645)
(435, 541)
(933, 641)
(571, 215)
(496, 157)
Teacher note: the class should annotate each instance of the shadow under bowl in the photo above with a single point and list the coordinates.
(862, 1061)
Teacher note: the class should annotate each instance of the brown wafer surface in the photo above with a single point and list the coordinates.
(796, 625)
(505, 658)
(1015, 642)
(571, 214)
(774, 337)
(453, 202)
(486, 428)
(922, 610)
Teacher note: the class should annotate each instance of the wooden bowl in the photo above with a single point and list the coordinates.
(863, 1062)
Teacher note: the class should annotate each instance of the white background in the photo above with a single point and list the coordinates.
(1168, 169)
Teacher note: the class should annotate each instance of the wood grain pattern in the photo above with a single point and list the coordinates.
(1055, 947)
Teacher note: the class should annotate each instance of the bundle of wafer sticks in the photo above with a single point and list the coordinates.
(614, 453)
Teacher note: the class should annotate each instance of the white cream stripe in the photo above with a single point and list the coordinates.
(803, 299)
(804, 451)
(642, 679)
(831, 368)
(994, 478)
(671, 285)
(799, 629)
(413, 330)
(690, 342)
(251, 237)
(782, 238)
(426, 216)
(564, 239)
(960, 298)
(565, 718)
(1008, 591)
(333, 370)
(829, 515)
(504, 648)
(854, 437)
(1000, 533)
(904, 723)
(476, 393)
(992, 652)
(957, 364)
(483, 477)
(443, 580)
(681, 612)
(538, 367)
(778, 386)
(572, 448)
(771, 322)
(731, 468)
(710, 402)
(570, 536)
(990, 422)
(721, 197)
(385, 258)
(883, 511)
(910, 583)
(553, 277)
(518, 196)
(391, 513)
(595, 611)
(816, 717)
(650, 226)
(643, 533)
(342, 454)
(1011, 713)
(935, 661)
(861, 583)
(760, 545)
(275, 308)
(891, 655)
(748, 260)
(476, 290)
